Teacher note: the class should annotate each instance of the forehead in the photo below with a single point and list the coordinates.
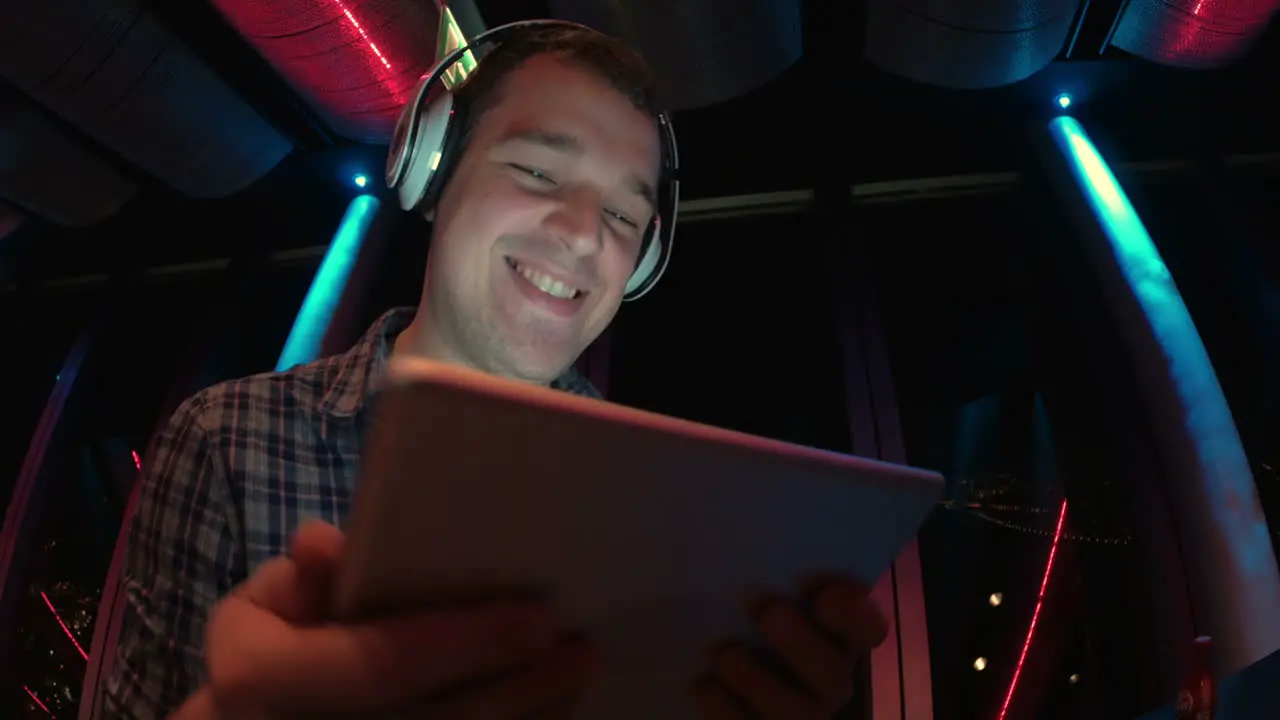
(549, 95)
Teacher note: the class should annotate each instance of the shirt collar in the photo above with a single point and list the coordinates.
(359, 370)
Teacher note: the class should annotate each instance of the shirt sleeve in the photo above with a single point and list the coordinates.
(181, 558)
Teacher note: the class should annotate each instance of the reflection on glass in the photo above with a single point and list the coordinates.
(29, 377)
(55, 624)
(44, 657)
(1033, 537)
(92, 470)
(1035, 614)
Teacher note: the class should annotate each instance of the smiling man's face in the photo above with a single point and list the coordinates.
(541, 223)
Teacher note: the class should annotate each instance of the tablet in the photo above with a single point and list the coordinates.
(645, 532)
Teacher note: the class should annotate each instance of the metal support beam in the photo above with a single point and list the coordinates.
(1100, 437)
(901, 679)
(900, 675)
(466, 14)
(1235, 584)
(739, 206)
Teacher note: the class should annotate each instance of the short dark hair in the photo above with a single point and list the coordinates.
(611, 59)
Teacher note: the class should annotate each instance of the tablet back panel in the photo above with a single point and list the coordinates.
(646, 532)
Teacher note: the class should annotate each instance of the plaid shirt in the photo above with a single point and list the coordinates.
(237, 469)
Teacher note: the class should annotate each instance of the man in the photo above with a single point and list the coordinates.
(533, 239)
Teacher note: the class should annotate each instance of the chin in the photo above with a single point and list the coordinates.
(536, 355)
(538, 368)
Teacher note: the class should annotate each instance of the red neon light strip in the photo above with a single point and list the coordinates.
(36, 700)
(1035, 616)
(356, 24)
(137, 461)
(65, 629)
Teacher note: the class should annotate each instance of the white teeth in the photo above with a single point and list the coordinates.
(547, 284)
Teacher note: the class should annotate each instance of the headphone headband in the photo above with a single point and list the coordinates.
(427, 135)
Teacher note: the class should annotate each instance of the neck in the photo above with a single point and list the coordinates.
(419, 339)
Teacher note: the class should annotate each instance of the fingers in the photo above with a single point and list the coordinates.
(257, 658)
(267, 650)
(824, 668)
(711, 702)
(743, 675)
(276, 588)
(316, 549)
(559, 711)
(540, 691)
(816, 657)
(317, 542)
(848, 611)
(297, 587)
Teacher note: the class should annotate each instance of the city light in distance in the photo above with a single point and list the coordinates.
(1063, 100)
(1075, 678)
(995, 599)
(980, 664)
(360, 180)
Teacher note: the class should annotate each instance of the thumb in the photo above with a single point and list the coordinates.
(296, 587)
(317, 548)
(317, 545)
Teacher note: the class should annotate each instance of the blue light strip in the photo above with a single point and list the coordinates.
(1225, 513)
(326, 288)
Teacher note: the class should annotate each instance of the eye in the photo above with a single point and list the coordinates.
(534, 173)
(622, 219)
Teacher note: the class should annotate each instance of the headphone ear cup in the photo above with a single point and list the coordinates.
(648, 264)
(401, 142)
(425, 151)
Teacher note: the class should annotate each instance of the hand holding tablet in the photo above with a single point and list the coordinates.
(806, 667)
(642, 531)
(274, 651)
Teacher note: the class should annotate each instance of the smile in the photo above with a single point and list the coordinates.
(545, 283)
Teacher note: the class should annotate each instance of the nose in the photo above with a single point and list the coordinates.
(577, 221)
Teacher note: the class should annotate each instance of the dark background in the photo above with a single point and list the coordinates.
(979, 286)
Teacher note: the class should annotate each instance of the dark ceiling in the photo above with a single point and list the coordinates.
(831, 117)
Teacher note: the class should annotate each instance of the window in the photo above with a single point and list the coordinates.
(120, 393)
(1010, 382)
(738, 334)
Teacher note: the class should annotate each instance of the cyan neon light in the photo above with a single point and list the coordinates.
(1139, 260)
(1227, 517)
(322, 297)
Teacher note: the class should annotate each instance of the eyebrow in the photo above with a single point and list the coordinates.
(570, 145)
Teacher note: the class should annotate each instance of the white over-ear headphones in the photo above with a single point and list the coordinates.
(428, 134)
